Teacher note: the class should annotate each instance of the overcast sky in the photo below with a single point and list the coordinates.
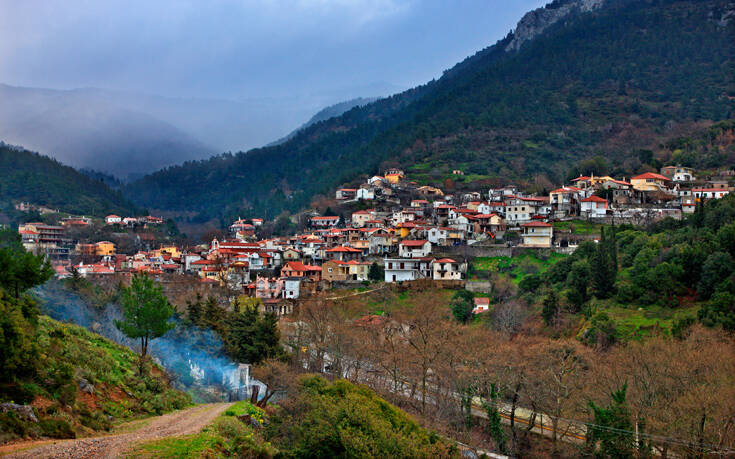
(237, 49)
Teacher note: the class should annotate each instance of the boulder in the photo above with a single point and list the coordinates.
(23, 411)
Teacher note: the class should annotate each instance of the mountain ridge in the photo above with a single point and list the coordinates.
(626, 75)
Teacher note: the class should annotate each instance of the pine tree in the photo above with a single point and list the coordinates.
(551, 307)
(612, 427)
(194, 309)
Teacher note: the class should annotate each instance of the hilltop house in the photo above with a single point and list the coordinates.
(447, 269)
(537, 234)
(414, 249)
(399, 270)
(594, 207)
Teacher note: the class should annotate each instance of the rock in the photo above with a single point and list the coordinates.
(85, 386)
(469, 454)
(535, 22)
(23, 411)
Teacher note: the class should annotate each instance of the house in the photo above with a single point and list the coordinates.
(268, 287)
(482, 304)
(420, 203)
(113, 219)
(291, 287)
(360, 218)
(394, 176)
(335, 270)
(365, 194)
(430, 190)
(564, 201)
(594, 206)
(710, 193)
(537, 234)
(324, 222)
(358, 270)
(414, 249)
(490, 223)
(517, 211)
(447, 269)
(622, 192)
(399, 269)
(298, 269)
(377, 180)
(103, 248)
(649, 181)
(345, 193)
(342, 253)
(678, 173)
(257, 221)
(381, 242)
(289, 254)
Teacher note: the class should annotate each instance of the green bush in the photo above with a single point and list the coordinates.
(56, 428)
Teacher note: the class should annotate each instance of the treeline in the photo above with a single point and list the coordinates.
(670, 263)
(713, 147)
(570, 94)
(30, 177)
(654, 397)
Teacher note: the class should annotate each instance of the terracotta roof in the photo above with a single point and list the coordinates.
(709, 189)
(649, 175)
(445, 260)
(594, 198)
(417, 243)
(324, 218)
(343, 249)
(543, 224)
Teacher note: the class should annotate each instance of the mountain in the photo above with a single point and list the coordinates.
(325, 114)
(26, 176)
(577, 79)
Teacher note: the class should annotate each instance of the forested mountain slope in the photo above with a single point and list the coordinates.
(604, 78)
(26, 176)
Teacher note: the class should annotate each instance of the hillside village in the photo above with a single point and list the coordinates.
(403, 232)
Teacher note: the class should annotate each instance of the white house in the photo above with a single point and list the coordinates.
(414, 249)
(594, 206)
(710, 193)
(438, 236)
(113, 219)
(324, 222)
(399, 270)
(291, 287)
(366, 194)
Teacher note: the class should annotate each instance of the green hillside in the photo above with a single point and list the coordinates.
(60, 380)
(30, 177)
(630, 75)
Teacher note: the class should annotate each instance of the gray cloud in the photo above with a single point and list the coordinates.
(240, 49)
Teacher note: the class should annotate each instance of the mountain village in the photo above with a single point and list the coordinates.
(402, 232)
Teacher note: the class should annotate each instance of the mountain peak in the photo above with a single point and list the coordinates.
(535, 22)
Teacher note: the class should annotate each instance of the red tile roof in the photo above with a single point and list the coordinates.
(594, 198)
(536, 223)
(417, 243)
(649, 175)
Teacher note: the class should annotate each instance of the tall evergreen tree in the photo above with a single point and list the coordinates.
(551, 307)
(612, 427)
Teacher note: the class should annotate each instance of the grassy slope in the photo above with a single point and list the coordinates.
(70, 353)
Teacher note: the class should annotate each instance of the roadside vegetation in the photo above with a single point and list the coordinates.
(60, 380)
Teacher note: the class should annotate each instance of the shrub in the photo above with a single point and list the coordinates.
(57, 428)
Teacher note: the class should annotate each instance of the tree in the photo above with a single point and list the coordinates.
(550, 307)
(194, 309)
(146, 312)
(716, 268)
(578, 281)
(252, 337)
(462, 304)
(376, 273)
(612, 427)
(604, 266)
(20, 270)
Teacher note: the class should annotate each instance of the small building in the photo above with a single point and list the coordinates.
(394, 176)
(324, 222)
(649, 181)
(447, 269)
(113, 219)
(400, 270)
(360, 218)
(103, 248)
(537, 234)
(482, 304)
(345, 193)
(414, 249)
(678, 173)
(710, 193)
(594, 206)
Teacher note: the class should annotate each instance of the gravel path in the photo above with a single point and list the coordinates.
(183, 422)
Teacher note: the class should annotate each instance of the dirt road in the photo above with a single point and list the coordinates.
(183, 422)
